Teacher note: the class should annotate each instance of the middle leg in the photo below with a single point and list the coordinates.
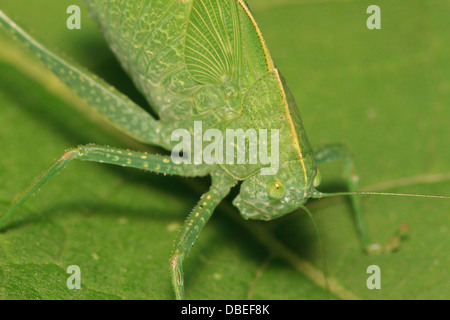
(338, 152)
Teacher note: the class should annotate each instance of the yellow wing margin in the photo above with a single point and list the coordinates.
(268, 59)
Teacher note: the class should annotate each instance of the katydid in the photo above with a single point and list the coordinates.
(198, 61)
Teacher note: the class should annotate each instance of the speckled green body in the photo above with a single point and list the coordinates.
(190, 65)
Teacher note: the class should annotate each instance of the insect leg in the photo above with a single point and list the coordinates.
(336, 152)
(115, 107)
(126, 158)
(192, 227)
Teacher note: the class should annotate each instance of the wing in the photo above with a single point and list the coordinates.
(213, 51)
(187, 57)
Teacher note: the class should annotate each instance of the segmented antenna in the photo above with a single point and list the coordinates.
(319, 195)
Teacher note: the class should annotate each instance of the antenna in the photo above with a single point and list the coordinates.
(319, 195)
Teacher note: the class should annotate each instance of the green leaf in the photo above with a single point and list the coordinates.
(385, 93)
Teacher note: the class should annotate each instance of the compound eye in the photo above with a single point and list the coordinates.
(276, 190)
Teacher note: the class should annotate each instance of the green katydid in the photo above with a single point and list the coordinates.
(234, 85)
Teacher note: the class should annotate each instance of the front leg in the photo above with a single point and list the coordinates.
(221, 185)
(102, 154)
